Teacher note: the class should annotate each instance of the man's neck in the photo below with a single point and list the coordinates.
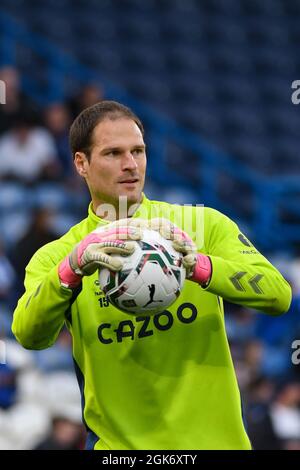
(115, 211)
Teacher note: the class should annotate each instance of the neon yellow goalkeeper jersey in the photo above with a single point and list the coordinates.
(161, 382)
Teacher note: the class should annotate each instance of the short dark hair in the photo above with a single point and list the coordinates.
(81, 130)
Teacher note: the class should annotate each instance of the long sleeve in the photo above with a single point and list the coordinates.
(40, 313)
(240, 274)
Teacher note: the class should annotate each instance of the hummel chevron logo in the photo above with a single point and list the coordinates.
(253, 282)
(236, 280)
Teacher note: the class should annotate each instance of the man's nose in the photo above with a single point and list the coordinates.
(129, 162)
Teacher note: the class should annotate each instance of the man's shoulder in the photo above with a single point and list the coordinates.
(166, 208)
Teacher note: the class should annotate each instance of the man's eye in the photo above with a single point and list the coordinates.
(136, 151)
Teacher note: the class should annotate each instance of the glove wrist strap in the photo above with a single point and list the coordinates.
(68, 278)
(202, 271)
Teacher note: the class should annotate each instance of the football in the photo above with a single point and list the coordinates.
(151, 279)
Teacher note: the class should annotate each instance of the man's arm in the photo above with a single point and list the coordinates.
(240, 274)
(53, 280)
(227, 264)
(40, 313)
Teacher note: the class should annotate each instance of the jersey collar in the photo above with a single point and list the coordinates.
(98, 221)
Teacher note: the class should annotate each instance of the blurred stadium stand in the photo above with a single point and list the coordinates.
(221, 71)
(211, 80)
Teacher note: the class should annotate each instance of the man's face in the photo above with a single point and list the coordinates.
(117, 162)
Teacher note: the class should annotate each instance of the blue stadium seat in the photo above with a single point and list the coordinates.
(254, 151)
(200, 118)
(13, 226)
(227, 30)
(182, 59)
(274, 58)
(151, 86)
(284, 120)
(62, 222)
(142, 56)
(14, 197)
(52, 196)
(230, 59)
(192, 88)
(235, 89)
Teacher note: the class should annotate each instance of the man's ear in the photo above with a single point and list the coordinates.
(81, 163)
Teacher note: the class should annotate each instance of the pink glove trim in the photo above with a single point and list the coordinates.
(66, 274)
(203, 270)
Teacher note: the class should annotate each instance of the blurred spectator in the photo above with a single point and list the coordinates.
(275, 361)
(8, 385)
(30, 410)
(67, 432)
(28, 153)
(285, 414)
(258, 420)
(38, 234)
(65, 435)
(58, 357)
(16, 101)
(23, 417)
(253, 357)
(281, 330)
(58, 121)
(240, 322)
(90, 94)
(7, 276)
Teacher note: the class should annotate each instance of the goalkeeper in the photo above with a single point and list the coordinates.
(145, 384)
